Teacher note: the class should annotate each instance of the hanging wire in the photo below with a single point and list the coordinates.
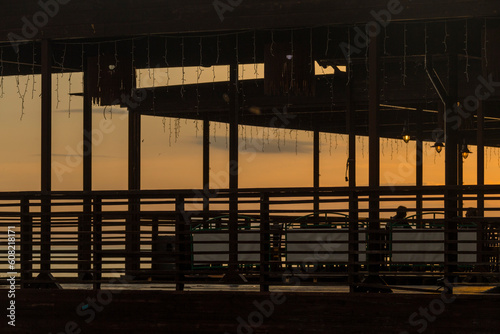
(149, 57)
(263, 140)
(367, 48)
(183, 70)
(215, 132)
(33, 72)
(198, 75)
(255, 67)
(292, 61)
(330, 144)
(386, 37)
(328, 40)
(1, 73)
(165, 58)
(61, 64)
(177, 129)
(349, 60)
(154, 92)
(426, 46)
(69, 94)
(218, 50)
(98, 65)
(485, 48)
(170, 132)
(116, 56)
(311, 51)
(216, 62)
(446, 35)
(466, 49)
(272, 43)
(18, 84)
(296, 142)
(132, 53)
(405, 46)
(83, 66)
(23, 94)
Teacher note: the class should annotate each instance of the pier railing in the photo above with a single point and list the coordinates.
(275, 237)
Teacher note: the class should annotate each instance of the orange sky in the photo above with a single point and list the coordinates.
(168, 162)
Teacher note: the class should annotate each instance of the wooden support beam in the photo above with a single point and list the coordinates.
(353, 268)
(145, 17)
(481, 235)
(180, 242)
(206, 168)
(316, 150)
(265, 245)
(87, 133)
(84, 227)
(134, 150)
(452, 156)
(46, 153)
(374, 155)
(480, 132)
(132, 261)
(234, 110)
(26, 243)
(97, 241)
(419, 182)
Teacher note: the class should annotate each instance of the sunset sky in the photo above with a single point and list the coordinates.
(172, 163)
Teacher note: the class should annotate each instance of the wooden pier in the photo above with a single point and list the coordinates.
(422, 71)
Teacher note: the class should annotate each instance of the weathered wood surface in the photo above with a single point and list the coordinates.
(99, 18)
(218, 312)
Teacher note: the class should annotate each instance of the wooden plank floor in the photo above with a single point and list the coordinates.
(66, 311)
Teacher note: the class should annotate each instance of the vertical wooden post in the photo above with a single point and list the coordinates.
(419, 182)
(84, 226)
(26, 243)
(264, 243)
(353, 267)
(460, 180)
(155, 258)
(180, 246)
(451, 168)
(97, 242)
(316, 146)
(234, 109)
(132, 264)
(206, 169)
(374, 236)
(481, 258)
(46, 153)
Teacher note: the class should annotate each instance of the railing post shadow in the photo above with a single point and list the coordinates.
(26, 243)
(181, 221)
(97, 242)
(133, 236)
(85, 240)
(353, 257)
(264, 243)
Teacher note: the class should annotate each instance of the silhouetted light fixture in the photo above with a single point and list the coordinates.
(405, 134)
(438, 145)
(465, 151)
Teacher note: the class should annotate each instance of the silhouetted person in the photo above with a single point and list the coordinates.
(399, 221)
(471, 213)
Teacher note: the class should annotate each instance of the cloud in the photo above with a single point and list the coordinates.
(259, 145)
